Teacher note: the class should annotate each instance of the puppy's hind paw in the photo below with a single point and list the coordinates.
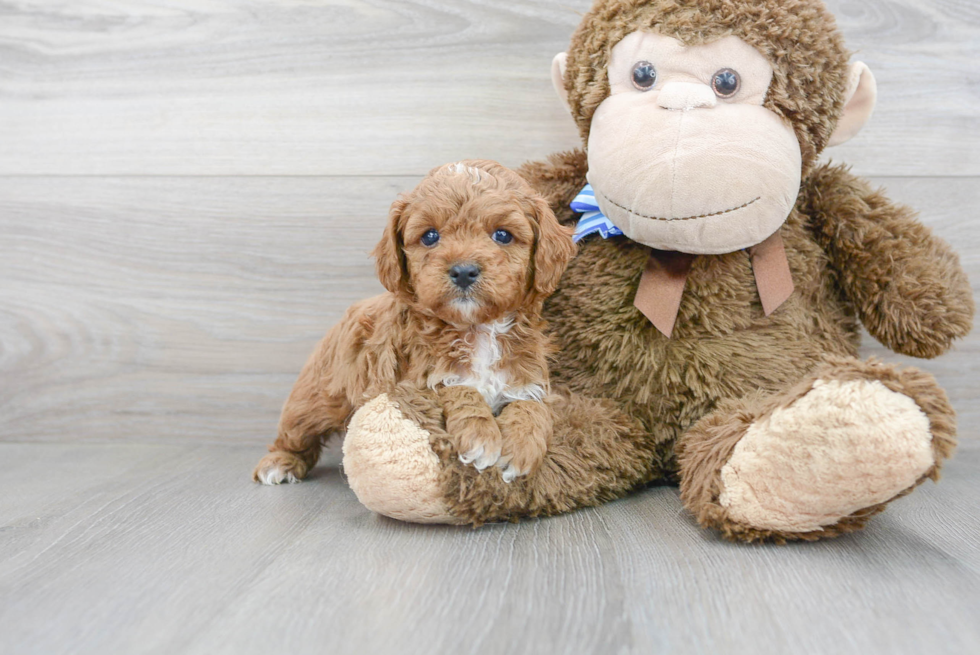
(278, 467)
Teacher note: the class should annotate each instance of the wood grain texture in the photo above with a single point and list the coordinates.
(153, 308)
(172, 549)
(302, 87)
(163, 309)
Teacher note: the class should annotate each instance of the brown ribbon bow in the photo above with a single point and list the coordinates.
(662, 283)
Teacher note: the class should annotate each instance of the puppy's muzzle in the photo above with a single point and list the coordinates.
(464, 275)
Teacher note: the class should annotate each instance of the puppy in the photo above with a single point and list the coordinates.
(468, 258)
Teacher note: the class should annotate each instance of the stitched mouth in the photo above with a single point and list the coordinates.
(683, 218)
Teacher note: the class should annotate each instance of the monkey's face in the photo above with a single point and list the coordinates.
(683, 155)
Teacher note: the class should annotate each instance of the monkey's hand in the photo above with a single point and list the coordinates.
(471, 423)
(526, 427)
(907, 284)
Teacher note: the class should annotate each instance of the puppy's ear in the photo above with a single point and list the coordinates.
(389, 254)
(553, 249)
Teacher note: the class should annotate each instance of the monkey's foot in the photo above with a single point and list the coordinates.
(391, 467)
(819, 460)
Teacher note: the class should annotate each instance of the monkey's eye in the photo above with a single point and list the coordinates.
(430, 238)
(726, 83)
(503, 237)
(644, 75)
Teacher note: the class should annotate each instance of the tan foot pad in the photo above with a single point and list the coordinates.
(390, 466)
(840, 448)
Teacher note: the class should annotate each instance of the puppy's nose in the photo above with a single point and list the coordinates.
(464, 275)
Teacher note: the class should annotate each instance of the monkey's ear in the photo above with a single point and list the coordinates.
(553, 250)
(558, 77)
(862, 92)
(389, 256)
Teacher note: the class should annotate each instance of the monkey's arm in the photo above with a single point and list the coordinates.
(558, 180)
(907, 284)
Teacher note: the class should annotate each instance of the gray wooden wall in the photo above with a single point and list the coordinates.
(189, 188)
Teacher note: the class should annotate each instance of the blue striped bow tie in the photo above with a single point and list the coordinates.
(593, 220)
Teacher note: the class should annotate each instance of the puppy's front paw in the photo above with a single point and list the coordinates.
(278, 467)
(521, 455)
(478, 442)
(525, 427)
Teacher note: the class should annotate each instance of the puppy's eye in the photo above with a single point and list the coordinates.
(430, 238)
(503, 237)
(726, 83)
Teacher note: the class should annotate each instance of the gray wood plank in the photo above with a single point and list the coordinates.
(186, 304)
(166, 309)
(371, 87)
(172, 549)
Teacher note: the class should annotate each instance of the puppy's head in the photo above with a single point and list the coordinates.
(471, 244)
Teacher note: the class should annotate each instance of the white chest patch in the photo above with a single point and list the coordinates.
(486, 376)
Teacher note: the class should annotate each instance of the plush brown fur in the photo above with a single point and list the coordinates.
(595, 454)
(706, 447)
(425, 329)
(854, 255)
(917, 299)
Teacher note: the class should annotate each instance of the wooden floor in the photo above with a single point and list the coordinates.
(138, 548)
(188, 193)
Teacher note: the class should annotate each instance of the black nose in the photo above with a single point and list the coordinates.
(464, 275)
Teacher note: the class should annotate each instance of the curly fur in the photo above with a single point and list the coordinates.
(418, 333)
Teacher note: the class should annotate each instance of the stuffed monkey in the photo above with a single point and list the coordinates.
(707, 331)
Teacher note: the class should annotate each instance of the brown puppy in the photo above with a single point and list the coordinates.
(468, 258)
